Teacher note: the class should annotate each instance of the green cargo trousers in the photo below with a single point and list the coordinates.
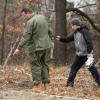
(39, 65)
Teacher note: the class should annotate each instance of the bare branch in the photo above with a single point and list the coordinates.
(77, 11)
(87, 5)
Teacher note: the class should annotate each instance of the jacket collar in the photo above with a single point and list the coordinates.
(81, 28)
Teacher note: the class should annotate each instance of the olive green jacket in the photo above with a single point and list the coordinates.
(36, 34)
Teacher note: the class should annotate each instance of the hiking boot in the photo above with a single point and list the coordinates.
(46, 82)
(28, 84)
(97, 85)
(35, 83)
(69, 85)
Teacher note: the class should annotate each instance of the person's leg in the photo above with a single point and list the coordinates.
(77, 64)
(95, 74)
(36, 67)
(45, 67)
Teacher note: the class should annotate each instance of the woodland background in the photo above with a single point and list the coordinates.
(14, 69)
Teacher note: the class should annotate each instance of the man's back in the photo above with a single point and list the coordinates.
(40, 36)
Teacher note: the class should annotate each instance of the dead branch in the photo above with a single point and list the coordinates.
(88, 5)
(79, 12)
(10, 53)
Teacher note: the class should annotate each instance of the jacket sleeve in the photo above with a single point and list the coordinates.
(24, 40)
(67, 39)
(27, 34)
(87, 37)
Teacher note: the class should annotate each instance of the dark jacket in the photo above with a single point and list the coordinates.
(82, 40)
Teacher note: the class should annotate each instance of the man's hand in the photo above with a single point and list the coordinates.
(17, 52)
(58, 38)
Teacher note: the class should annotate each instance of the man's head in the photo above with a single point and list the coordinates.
(75, 23)
(26, 13)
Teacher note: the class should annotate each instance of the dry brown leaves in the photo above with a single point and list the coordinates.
(84, 84)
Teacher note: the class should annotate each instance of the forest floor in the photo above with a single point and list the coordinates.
(85, 86)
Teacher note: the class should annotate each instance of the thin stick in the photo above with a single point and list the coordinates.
(10, 53)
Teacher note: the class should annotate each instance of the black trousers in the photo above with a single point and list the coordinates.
(77, 64)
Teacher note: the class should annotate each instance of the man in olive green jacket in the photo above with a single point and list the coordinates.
(36, 42)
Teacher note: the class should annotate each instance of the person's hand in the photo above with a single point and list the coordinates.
(58, 37)
(17, 52)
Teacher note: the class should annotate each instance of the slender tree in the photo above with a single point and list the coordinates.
(3, 33)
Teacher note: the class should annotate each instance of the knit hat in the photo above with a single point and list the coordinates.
(76, 21)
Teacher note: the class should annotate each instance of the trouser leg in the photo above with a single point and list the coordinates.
(36, 71)
(95, 74)
(35, 66)
(77, 64)
(39, 65)
(45, 67)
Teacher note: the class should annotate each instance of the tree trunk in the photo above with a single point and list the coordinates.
(3, 34)
(60, 48)
(98, 10)
(97, 37)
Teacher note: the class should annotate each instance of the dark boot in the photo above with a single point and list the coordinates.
(28, 84)
(71, 84)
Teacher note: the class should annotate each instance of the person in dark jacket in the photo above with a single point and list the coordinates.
(84, 51)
